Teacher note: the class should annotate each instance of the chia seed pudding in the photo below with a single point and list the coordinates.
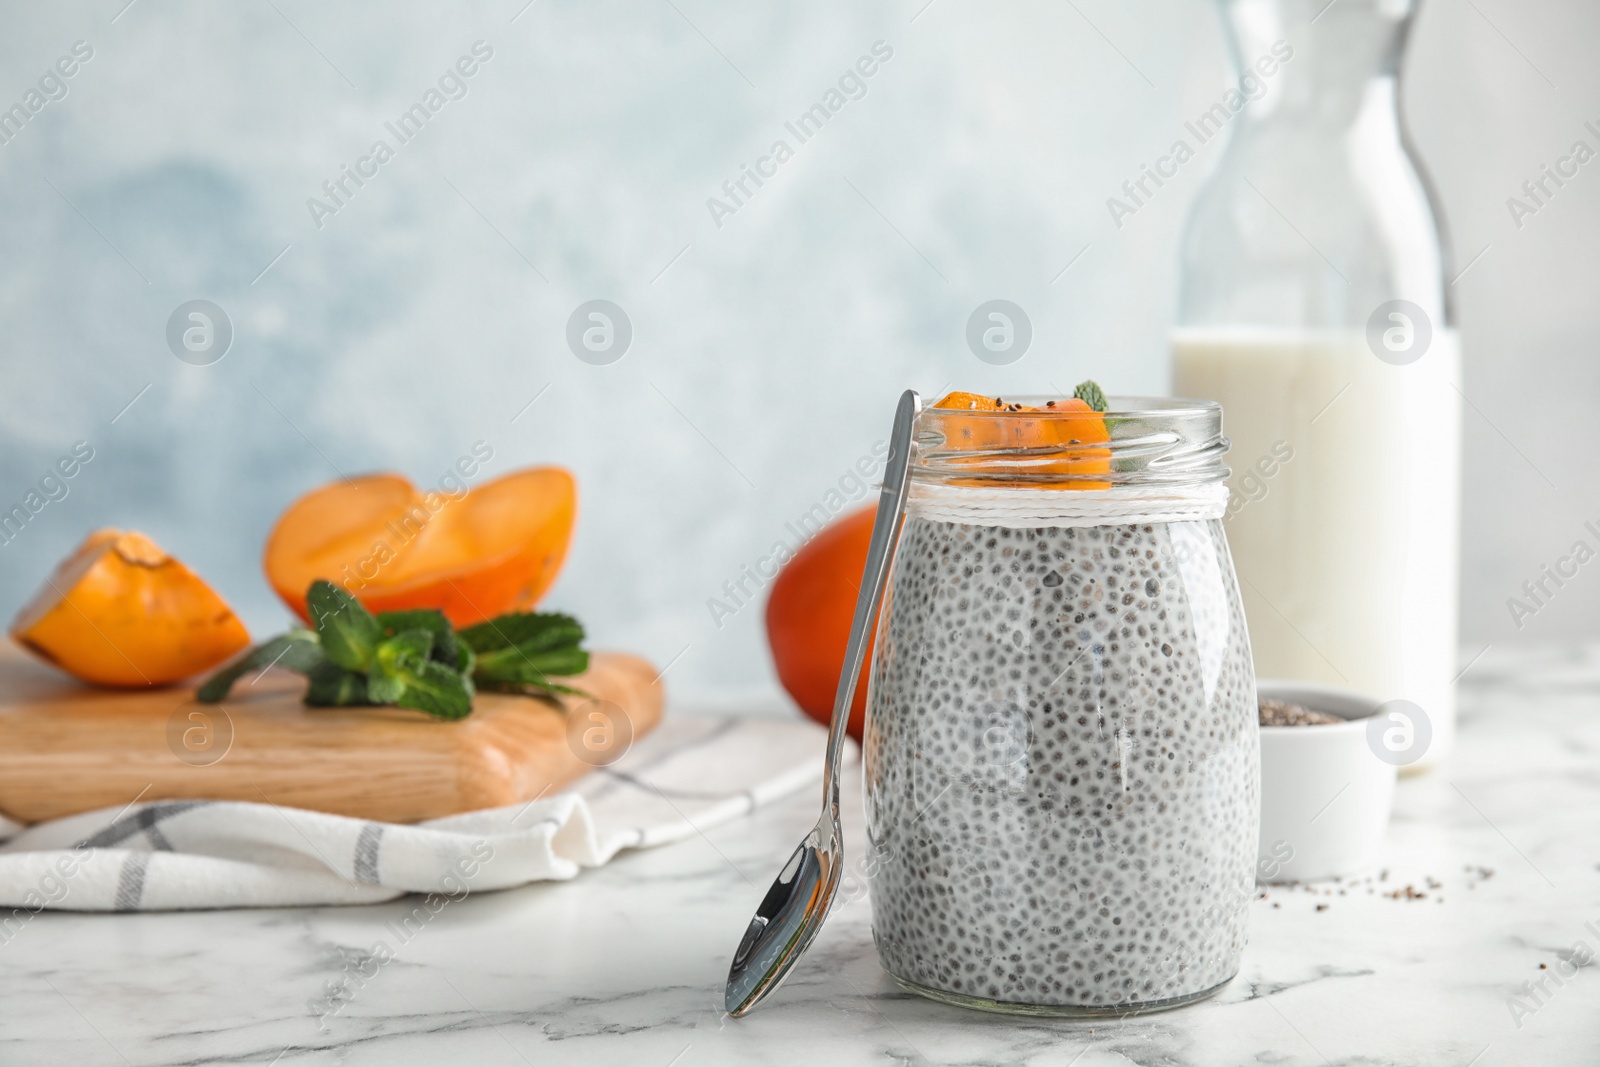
(1062, 765)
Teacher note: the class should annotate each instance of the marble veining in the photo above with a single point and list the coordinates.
(1493, 867)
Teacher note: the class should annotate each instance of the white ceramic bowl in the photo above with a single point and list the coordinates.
(1325, 796)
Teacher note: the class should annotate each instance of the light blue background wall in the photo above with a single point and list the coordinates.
(428, 312)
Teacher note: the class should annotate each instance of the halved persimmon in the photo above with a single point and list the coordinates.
(121, 612)
(473, 555)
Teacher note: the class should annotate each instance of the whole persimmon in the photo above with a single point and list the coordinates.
(809, 611)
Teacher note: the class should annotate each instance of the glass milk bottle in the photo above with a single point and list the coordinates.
(1314, 308)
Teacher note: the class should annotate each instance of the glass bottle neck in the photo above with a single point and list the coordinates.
(1315, 62)
(1318, 212)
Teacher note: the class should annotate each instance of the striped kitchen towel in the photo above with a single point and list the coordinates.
(688, 775)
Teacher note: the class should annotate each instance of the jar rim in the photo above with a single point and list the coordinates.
(1117, 407)
(1137, 441)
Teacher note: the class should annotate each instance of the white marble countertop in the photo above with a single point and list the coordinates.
(625, 965)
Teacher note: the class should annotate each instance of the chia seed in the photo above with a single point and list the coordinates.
(1279, 713)
(1062, 757)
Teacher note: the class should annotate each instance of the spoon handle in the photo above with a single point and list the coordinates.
(880, 551)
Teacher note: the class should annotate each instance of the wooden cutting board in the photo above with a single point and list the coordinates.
(66, 747)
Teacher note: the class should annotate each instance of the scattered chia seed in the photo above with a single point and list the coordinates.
(1279, 713)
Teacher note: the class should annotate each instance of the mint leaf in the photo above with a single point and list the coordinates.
(333, 686)
(516, 665)
(1090, 393)
(513, 665)
(564, 661)
(530, 688)
(531, 632)
(404, 673)
(524, 649)
(383, 685)
(349, 632)
(413, 644)
(446, 649)
(303, 653)
(297, 650)
(432, 687)
(392, 662)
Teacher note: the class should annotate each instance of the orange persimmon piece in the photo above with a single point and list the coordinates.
(480, 553)
(1070, 427)
(121, 612)
(960, 401)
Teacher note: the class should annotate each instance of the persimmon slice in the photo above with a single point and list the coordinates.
(121, 612)
(1063, 438)
(479, 553)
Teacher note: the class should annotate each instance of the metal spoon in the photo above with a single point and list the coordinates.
(792, 912)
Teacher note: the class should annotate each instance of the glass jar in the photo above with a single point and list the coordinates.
(1061, 747)
(1314, 308)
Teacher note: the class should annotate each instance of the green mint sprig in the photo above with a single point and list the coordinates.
(1090, 393)
(413, 659)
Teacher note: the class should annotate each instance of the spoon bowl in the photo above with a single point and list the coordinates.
(788, 917)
